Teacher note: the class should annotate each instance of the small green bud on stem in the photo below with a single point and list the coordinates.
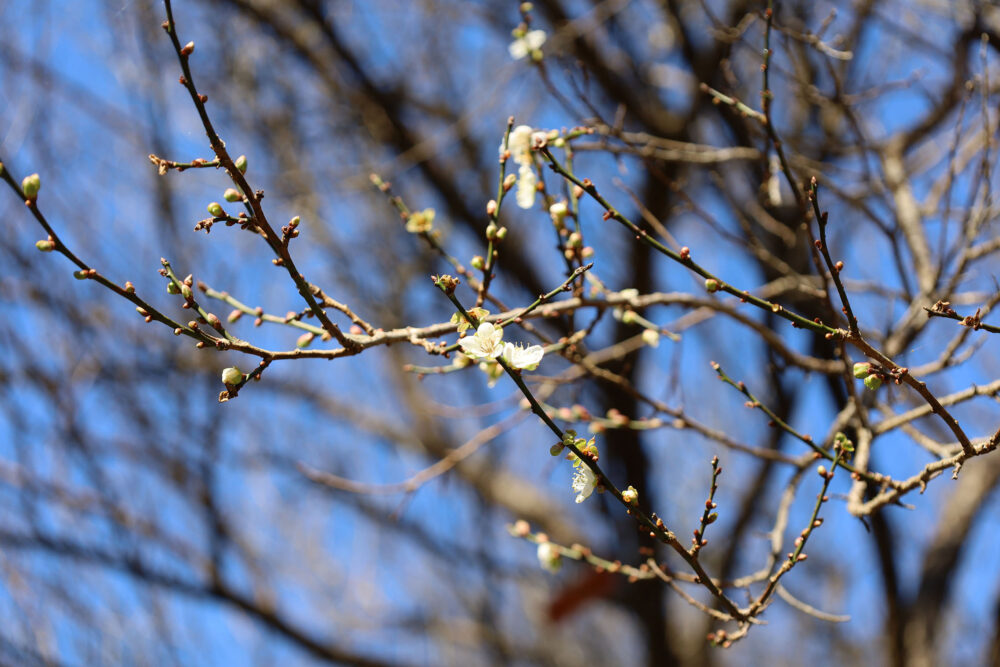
(31, 185)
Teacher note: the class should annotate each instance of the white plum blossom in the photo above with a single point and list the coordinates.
(486, 343)
(526, 44)
(519, 144)
(527, 186)
(584, 482)
(523, 358)
(549, 557)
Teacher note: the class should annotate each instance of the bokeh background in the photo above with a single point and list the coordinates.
(143, 522)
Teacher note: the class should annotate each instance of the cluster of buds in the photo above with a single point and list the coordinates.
(872, 375)
(841, 443)
(290, 231)
(494, 233)
(446, 282)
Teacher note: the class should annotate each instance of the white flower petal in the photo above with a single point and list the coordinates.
(486, 343)
(526, 187)
(534, 39)
(518, 49)
(519, 144)
(524, 45)
(584, 482)
(526, 359)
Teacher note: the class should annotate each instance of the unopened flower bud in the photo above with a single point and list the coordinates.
(491, 231)
(631, 496)
(187, 49)
(712, 285)
(491, 207)
(215, 210)
(31, 185)
(548, 557)
(45, 245)
(651, 337)
(501, 234)
(232, 376)
(235, 315)
(587, 252)
(305, 339)
(80, 275)
(241, 164)
(232, 194)
(862, 370)
(873, 382)
(628, 317)
(186, 291)
(478, 263)
(558, 212)
(172, 288)
(508, 182)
